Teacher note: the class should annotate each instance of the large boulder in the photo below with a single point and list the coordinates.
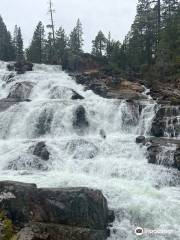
(41, 151)
(21, 90)
(80, 122)
(61, 213)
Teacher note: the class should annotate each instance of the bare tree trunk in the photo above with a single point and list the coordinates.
(159, 18)
(53, 31)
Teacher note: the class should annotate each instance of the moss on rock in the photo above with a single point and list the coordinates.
(7, 231)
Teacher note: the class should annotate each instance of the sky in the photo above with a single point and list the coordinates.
(106, 15)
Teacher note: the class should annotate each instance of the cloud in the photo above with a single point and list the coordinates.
(106, 15)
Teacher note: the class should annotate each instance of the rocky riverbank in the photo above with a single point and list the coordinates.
(28, 212)
(110, 87)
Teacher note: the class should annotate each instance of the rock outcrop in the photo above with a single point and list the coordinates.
(162, 151)
(166, 122)
(21, 91)
(61, 213)
(109, 86)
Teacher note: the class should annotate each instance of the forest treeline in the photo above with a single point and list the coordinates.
(150, 49)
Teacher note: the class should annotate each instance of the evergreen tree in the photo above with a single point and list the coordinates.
(169, 46)
(169, 9)
(19, 46)
(61, 45)
(49, 49)
(76, 39)
(99, 44)
(15, 39)
(109, 47)
(10, 48)
(6, 45)
(35, 52)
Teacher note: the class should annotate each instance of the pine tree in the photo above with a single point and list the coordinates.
(76, 39)
(6, 45)
(169, 46)
(19, 46)
(61, 44)
(35, 52)
(99, 44)
(10, 48)
(109, 47)
(169, 9)
(49, 49)
(143, 38)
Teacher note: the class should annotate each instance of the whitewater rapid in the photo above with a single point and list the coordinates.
(141, 194)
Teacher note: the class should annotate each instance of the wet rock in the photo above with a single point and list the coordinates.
(163, 151)
(76, 96)
(140, 139)
(27, 162)
(6, 103)
(22, 66)
(8, 78)
(37, 231)
(61, 213)
(110, 87)
(153, 151)
(80, 122)
(131, 86)
(21, 90)
(58, 92)
(82, 149)
(130, 114)
(166, 122)
(10, 67)
(41, 151)
(43, 125)
(102, 133)
(99, 89)
(111, 216)
(177, 158)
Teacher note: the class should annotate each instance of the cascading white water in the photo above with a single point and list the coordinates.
(140, 194)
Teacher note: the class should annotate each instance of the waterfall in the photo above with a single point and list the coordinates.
(91, 142)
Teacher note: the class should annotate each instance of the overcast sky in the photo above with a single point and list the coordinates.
(106, 15)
